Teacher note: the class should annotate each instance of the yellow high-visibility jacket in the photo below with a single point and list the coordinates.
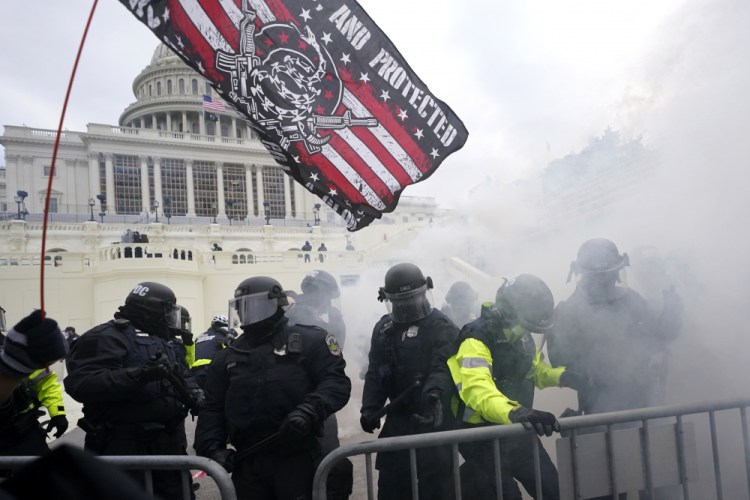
(48, 390)
(494, 375)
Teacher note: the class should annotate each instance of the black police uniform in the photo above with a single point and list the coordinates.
(207, 345)
(308, 312)
(121, 415)
(250, 389)
(610, 341)
(511, 364)
(402, 354)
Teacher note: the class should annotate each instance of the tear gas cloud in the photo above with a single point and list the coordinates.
(688, 105)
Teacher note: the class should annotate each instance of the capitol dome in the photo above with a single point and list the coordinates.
(169, 96)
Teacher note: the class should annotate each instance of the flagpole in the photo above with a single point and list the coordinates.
(54, 154)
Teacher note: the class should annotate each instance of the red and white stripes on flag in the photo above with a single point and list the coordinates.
(358, 170)
(212, 104)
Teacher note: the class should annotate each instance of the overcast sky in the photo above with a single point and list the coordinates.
(532, 81)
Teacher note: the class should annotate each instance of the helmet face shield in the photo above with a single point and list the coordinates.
(248, 309)
(172, 313)
(409, 306)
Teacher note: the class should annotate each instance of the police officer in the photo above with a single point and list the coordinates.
(461, 303)
(315, 306)
(134, 384)
(495, 371)
(208, 343)
(25, 391)
(606, 332)
(408, 347)
(269, 393)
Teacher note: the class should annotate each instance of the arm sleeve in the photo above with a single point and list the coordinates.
(439, 378)
(327, 366)
(96, 372)
(476, 387)
(543, 374)
(48, 391)
(211, 432)
(373, 393)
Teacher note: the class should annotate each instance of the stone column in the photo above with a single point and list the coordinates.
(249, 190)
(110, 181)
(169, 121)
(259, 184)
(185, 125)
(143, 122)
(190, 190)
(94, 187)
(220, 189)
(287, 197)
(157, 181)
(233, 132)
(299, 201)
(202, 121)
(145, 198)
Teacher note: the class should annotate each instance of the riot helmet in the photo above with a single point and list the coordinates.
(461, 295)
(2, 320)
(526, 301)
(319, 281)
(601, 268)
(256, 299)
(406, 293)
(185, 319)
(219, 320)
(152, 308)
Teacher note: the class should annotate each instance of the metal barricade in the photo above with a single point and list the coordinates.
(150, 463)
(659, 452)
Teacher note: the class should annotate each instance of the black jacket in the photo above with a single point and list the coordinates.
(99, 376)
(250, 389)
(612, 343)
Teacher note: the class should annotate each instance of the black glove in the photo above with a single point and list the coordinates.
(574, 380)
(59, 423)
(156, 368)
(431, 410)
(224, 457)
(197, 398)
(300, 422)
(32, 344)
(369, 421)
(544, 423)
(187, 337)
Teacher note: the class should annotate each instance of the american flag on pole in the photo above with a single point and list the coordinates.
(212, 104)
(330, 97)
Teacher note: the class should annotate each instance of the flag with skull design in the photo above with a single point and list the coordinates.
(330, 97)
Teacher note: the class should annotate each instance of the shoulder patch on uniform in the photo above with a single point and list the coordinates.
(333, 345)
(410, 332)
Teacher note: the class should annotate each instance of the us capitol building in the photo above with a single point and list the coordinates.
(209, 205)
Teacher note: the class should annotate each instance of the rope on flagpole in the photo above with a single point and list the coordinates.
(54, 154)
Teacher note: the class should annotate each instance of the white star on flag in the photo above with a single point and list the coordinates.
(165, 16)
(333, 192)
(345, 59)
(305, 14)
(200, 67)
(179, 42)
(385, 95)
(326, 38)
(402, 114)
(314, 177)
(434, 153)
(364, 78)
(418, 134)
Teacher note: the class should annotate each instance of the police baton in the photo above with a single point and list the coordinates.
(396, 401)
(242, 455)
